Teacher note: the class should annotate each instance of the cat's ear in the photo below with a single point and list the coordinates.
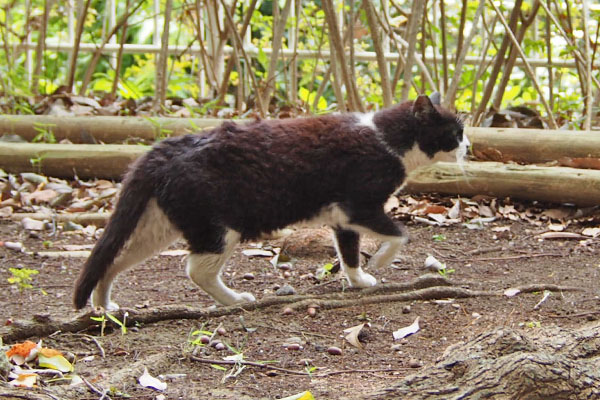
(436, 98)
(423, 108)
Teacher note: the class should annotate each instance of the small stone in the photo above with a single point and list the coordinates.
(222, 331)
(414, 363)
(284, 266)
(219, 346)
(214, 343)
(311, 311)
(285, 290)
(287, 274)
(204, 339)
(248, 276)
(271, 372)
(288, 311)
(406, 309)
(334, 351)
(292, 346)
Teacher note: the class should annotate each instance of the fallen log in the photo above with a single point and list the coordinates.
(489, 144)
(532, 145)
(549, 363)
(92, 129)
(97, 219)
(527, 182)
(67, 160)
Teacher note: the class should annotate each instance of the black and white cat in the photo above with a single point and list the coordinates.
(237, 182)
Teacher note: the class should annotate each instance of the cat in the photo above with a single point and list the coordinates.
(238, 181)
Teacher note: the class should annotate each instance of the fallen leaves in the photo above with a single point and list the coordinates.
(21, 354)
(407, 330)
(148, 381)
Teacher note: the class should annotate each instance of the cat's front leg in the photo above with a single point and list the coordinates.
(347, 244)
(378, 224)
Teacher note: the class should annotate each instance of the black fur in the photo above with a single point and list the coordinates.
(262, 176)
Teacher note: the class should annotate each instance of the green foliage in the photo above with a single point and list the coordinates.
(137, 75)
(22, 277)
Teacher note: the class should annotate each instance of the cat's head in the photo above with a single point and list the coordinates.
(440, 132)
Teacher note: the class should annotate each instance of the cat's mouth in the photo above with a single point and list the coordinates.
(462, 151)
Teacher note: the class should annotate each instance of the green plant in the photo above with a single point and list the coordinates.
(44, 133)
(324, 271)
(108, 316)
(21, 277)
(446, 271)
(160, 133)
(439, 238)
(102, 320)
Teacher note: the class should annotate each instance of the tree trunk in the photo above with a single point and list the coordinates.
(549, 363)
(529, 182)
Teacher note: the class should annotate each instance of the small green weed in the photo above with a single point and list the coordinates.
(439, 238)
(22, 277)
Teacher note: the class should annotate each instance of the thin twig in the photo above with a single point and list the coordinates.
(93, 339)
(513, 257)
(290, 371)
(94, 389)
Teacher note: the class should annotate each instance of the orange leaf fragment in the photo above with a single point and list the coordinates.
(50, 352)
(21, 349)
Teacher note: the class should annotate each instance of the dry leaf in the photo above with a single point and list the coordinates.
(352, 335)
(593, 232)
(147, 380)
(510, 292)
(407, 330)
(20, 353)
(257, 253)
(24, 380)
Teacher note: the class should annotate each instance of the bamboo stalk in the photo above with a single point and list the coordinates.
(161, 63)
(450, 96)
(377, 44)
(415, 19)
(516, 45)
(588, 67)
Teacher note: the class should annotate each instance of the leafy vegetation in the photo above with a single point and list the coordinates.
(206, 61)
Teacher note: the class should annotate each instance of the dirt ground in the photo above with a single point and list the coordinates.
(483, 259)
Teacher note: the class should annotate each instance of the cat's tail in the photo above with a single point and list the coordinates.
(135, 193)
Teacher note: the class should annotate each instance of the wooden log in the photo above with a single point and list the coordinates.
(489, 144)
(528, 182)
(67, 160)
(552, 184)
(98, 219)
(102, 129)
(532, 145)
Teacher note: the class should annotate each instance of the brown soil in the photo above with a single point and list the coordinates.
(481, 261)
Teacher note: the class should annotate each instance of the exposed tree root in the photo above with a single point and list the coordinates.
(551, 363)
(425, 287)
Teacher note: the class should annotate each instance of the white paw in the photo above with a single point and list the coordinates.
(245, 297)
(112, 306)
(360, 279)
(109, 307)
(239, 298)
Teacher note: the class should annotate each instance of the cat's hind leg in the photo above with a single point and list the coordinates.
(347, 244)
(153, 233)
(204, 268)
